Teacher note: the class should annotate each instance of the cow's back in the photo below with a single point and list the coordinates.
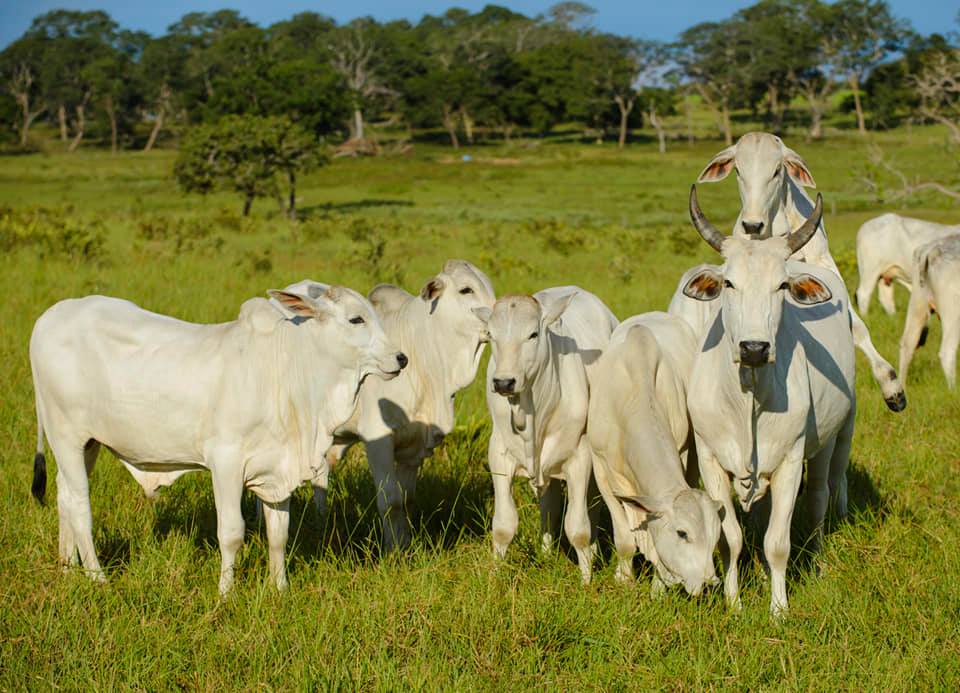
(585, 326)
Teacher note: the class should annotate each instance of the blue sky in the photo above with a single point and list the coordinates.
(659, 19)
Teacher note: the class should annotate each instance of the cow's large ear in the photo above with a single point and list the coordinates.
(705, 285)
(719, 166)
(295, 304)
(797, 168)
(652, 508)
(553, 311)
(483, 315)
(432, 290)
(808, 290)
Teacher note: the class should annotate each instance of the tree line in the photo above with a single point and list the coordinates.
(495, 71)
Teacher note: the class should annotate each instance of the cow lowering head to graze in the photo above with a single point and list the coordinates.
(642, 443)
(254, 401)
(771, 177)
(936, 287)
(772, 386)
(402, 421)
(543, 350)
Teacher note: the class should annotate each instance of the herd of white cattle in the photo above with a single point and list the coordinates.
(747, 377)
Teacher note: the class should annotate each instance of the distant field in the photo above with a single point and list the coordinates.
(884, 614)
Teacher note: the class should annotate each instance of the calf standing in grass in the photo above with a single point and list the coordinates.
(254, 401)
(936, 286)
(538, 393)
(638, 429)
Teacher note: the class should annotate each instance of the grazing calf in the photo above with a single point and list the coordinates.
(769, 176)
(400, 422)
(538, 393)
(936, 286)
(638, 429)
(772, 386)
(254, 401)
(885, 247)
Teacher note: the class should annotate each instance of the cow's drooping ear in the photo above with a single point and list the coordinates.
(294, 304)
(432, 290)
(808, 290)
(553, 311)
(719, 166)
(653, 508)
(705, 285)
(483, 315)
(797, 168)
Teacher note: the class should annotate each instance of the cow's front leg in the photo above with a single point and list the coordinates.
(277, 518)
(505, 518)
(227, 492)
(890, 385)
(551, 511)
(717, 485)
(784, 484)
(396, 530)
(576, 524)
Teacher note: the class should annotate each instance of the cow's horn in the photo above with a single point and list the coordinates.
(797, 239)
(707, 230)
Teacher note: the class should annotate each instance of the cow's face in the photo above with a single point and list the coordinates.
(517, 331)
(346, 324)
(761, 162)
(685, 530)
(454, 293)
(752, 284)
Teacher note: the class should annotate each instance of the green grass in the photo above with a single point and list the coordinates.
(882, 615)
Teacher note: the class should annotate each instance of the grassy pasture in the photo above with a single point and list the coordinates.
(883, 614)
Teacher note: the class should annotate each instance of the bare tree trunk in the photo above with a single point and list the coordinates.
(854, 80)
(937, 117)
(247, 204)
(292, 207)
(24, 100)
(357, 124)
(688, 112)
(658, 126)
(112, 115)
(725, 120)
(625, 106)
(451, 125)
(81, 125)
(816, 122)
(157, 126)
(62, 117)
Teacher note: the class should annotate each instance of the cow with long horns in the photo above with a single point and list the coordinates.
(777, 359)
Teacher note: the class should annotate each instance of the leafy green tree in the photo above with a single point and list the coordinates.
(21, 64)
(246, 154)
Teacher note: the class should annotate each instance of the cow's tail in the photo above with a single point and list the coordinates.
(39, 487)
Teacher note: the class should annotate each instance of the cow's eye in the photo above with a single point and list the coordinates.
(357, 320)
(728, 284)
(784, 286)
(533, 335)
(466, 290)
(682, 534)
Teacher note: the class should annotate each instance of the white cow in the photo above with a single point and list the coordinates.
(537, 393)
(885, 247)
(254, 401)
(772, 386)
(638, 428)
(400, 422)
(769, 175)
(936, 282)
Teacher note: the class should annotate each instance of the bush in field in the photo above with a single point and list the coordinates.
(247, 154)
(51, 232)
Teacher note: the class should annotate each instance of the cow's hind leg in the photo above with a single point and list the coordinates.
(883, 372)
(817, 492)
(949, 340)
(838, 466)
(918, 313)
(551, 512)
(885, 295)
(277, 518)
(73, 504)
(576, 524)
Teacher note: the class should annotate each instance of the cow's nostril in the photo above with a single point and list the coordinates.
(402, 360)
(752, 227)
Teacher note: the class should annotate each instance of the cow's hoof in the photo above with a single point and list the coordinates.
(897, 402)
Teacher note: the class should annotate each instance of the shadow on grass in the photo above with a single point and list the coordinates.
(327, 208)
